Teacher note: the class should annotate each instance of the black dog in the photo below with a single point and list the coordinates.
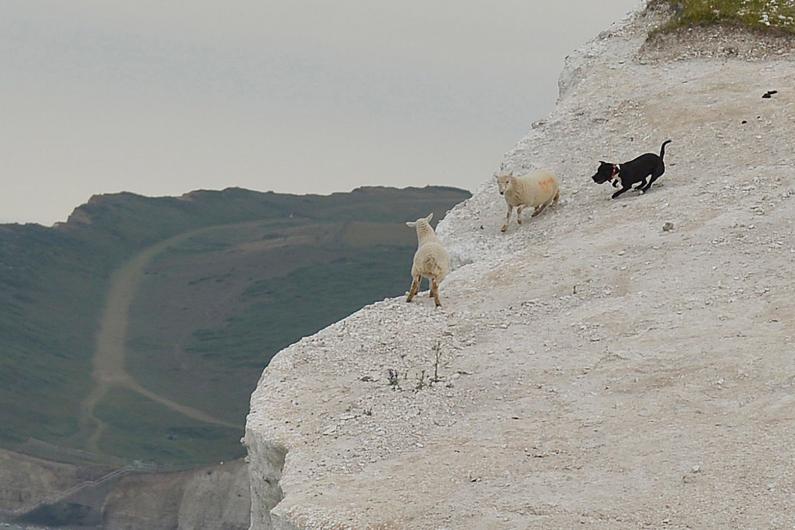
(629, 173)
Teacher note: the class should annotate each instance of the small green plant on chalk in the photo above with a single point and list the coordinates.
(437, 351)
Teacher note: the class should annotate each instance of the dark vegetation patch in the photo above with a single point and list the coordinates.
(137, 428)
(202, 309)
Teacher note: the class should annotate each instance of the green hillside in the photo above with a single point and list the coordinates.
(178, 303)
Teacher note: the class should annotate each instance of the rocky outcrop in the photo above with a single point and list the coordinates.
(25, 480)
(46, 493)
(216, 498)
(211, 497)
(265, 475)
(612, 364)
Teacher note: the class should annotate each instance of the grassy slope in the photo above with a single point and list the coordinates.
(137, 428)
(46, 330)
(210, 314)
(766, 15)
(53, 284)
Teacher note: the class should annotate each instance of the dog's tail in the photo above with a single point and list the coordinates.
(662, 149)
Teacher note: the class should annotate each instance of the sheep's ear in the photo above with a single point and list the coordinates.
(412, 224)
(510, 173)
(430, 216)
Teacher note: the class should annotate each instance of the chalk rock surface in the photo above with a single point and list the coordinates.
(587, 367)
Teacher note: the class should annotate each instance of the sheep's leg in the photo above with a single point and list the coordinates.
(557, 197)
(415, 286)
(507, 219)
(430, 287)
(435, 292)
(519, 211)
(539, 209)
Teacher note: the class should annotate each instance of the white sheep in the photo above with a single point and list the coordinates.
(536, 190)
(430, 261)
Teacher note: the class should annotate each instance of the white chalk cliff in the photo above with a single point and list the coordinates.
(593, 368)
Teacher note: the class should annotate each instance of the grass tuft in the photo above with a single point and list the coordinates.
(777, 16)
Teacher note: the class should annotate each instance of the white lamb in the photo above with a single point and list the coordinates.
(536, 190)
(430, 261)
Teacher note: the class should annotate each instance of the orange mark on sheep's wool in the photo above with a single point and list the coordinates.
(547, 184)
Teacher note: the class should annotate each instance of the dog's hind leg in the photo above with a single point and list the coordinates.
(654, 176)
(641, 185)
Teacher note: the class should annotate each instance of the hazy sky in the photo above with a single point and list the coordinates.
(162, 97)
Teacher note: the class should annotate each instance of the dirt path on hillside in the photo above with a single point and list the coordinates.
(108, 360)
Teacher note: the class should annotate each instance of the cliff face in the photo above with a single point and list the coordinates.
(212, 497)
(588, 367)
(46, 493)
(25, 480)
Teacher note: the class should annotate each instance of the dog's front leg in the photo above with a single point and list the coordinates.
(619, 192)
(507, 219)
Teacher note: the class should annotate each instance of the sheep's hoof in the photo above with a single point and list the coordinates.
(519, 221)
(504, 229)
